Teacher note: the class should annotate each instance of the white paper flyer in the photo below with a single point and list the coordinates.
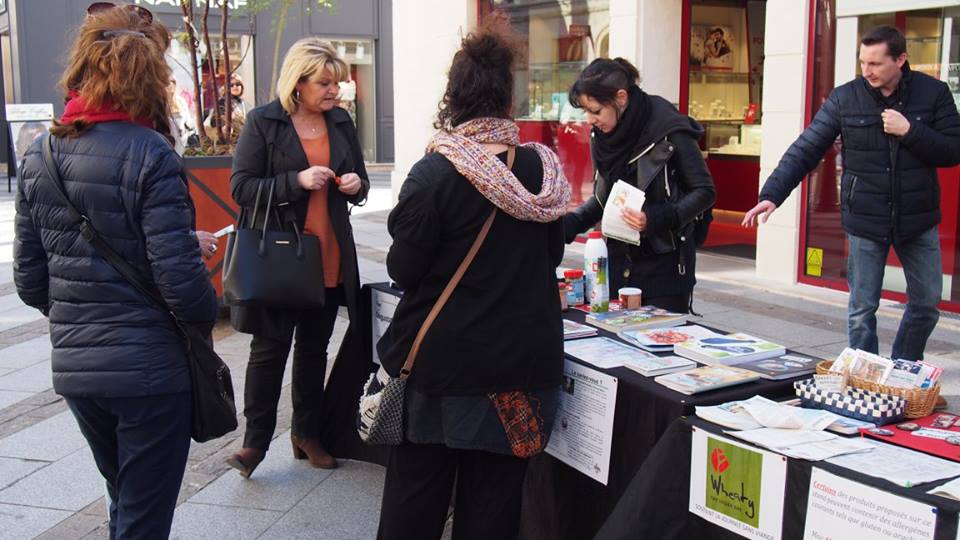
(841, 508)
(583, 431)
(382, 306)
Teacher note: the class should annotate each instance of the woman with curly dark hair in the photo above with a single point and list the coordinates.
(118, 359)
(483, 393)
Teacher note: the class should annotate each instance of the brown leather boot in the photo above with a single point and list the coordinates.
(311, 449)
(246, 460)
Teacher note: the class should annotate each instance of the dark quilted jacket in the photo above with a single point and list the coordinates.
(889, 189)
(108, 340)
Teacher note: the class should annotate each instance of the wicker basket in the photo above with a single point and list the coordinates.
(920, 401)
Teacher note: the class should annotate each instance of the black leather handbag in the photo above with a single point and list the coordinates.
(273, 269)
(211, 388)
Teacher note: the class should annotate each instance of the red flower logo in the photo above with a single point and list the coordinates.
(719, 461)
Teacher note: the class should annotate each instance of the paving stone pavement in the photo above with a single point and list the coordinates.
(50, 489)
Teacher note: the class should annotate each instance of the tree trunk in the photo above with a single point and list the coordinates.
(281, 24)
(213, 71)
(228, 99)
(186, 7)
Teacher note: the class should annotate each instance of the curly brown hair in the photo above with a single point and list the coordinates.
(480, 81)
(118, 59)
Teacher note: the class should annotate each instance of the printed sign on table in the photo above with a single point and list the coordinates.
(382, 306)
(737, 487)
(841, 508)
(583, 431)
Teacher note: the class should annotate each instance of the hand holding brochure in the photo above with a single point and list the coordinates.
(622, 195)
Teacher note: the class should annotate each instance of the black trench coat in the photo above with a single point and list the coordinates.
(269, 148)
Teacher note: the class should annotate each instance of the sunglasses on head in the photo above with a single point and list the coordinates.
(142, 12)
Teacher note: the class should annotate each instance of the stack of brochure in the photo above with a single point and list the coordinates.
(574, 330)
(706, 378)
(664, 339)
(877, 369)
(636, 319)
(783, 367)
(732, 349)
(606, 353)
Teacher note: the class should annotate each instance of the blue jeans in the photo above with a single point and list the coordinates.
(921, 265)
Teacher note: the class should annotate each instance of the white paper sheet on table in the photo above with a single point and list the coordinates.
(819, 451)
(899, 465)
(774, 438)
(776, 415)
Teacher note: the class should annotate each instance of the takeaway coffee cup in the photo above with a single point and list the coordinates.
(630, 297)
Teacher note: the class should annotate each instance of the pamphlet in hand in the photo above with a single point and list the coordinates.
(622, 195)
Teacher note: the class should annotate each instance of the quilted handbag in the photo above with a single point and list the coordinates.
(380, 414)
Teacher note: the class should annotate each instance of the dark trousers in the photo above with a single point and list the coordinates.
(140, 446)
(268, 358)
(420, 481)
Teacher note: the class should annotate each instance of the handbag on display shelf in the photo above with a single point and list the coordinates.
(211, 388)
(381, 409)
(272, 268)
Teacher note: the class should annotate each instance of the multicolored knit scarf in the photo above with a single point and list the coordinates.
(463, 146)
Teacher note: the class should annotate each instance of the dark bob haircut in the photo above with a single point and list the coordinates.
(480, 81)
(602, 79)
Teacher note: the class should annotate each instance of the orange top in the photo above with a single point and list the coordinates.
(318, 218)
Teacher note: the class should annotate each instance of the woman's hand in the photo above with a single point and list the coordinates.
(315, 177)
(636, 219)
(208, 243)
(350, 183)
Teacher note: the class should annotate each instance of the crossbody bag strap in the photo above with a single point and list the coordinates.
(448, 290)
(91, 235)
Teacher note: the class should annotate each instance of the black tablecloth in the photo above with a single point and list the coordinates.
(656, 501)
(562, 503)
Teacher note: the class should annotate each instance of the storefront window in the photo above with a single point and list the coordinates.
(933, 48)
(561, 38)
(240, 48)
(358, 95)
(725, 78)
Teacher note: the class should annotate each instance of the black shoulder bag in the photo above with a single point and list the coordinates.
(214, 410)
(272, 269)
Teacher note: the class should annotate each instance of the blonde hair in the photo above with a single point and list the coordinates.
(306, 59)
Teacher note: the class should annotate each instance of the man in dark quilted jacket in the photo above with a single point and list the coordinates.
(897, 127)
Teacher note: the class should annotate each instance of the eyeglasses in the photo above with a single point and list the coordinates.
(141, 11)
(236, 84)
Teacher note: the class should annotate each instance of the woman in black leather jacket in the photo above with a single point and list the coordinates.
(643, 140)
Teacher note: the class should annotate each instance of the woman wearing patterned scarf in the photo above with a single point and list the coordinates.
(483, 393)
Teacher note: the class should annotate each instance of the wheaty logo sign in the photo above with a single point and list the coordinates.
(736, 486)
(733, 486)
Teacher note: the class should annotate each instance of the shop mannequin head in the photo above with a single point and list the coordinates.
(883, 52)
(480, 80)
(602, 90)
(310, 77)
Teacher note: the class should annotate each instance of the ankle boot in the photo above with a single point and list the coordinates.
(246, 460)
(311, 449)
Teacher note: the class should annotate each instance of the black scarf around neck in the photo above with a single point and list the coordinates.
(612, 150)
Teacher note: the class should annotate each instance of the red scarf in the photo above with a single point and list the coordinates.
(77, 108)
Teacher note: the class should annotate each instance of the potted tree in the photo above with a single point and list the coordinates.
(208, 157)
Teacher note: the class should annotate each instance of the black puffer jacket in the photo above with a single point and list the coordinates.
(108, 340)
(889, 189)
